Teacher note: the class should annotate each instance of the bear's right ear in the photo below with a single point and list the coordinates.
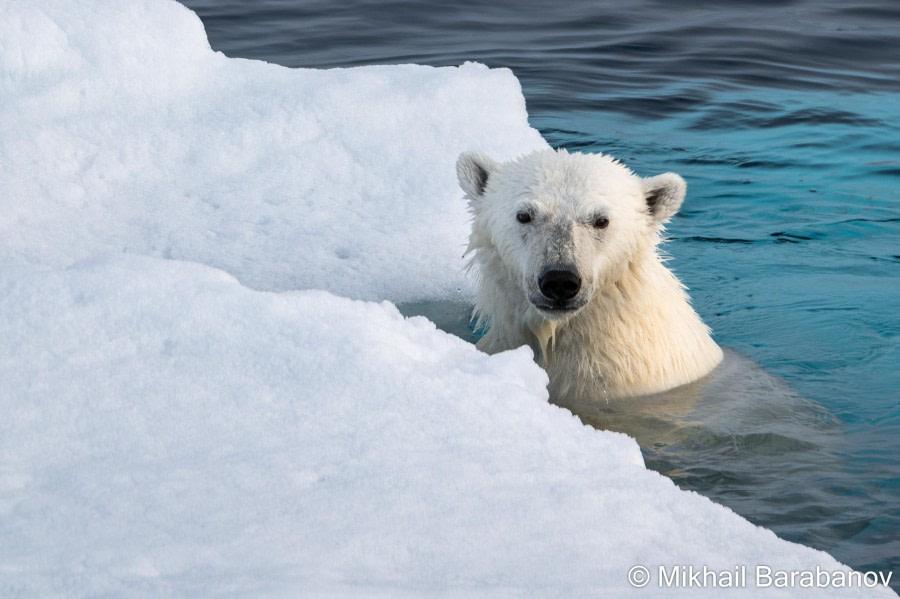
(473, 170)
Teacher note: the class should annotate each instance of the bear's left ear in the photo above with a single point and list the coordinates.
(664, 194)
(473, 170)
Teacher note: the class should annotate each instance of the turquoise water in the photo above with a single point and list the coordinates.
(783, 117)
(789, 243)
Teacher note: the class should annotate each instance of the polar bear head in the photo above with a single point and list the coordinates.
(561, 226)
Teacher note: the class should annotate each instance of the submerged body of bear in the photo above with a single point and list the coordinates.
(565, 247)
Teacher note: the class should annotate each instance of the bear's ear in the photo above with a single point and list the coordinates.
(664, 194)
(473, 170)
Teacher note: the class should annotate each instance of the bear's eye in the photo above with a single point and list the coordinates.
(601, 222)
(523, 217)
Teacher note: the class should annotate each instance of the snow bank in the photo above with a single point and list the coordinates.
(168, 431)
(174, 429)
(122, 131)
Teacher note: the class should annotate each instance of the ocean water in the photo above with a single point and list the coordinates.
(784, 117)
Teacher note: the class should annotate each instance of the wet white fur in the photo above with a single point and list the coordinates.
(637, 333)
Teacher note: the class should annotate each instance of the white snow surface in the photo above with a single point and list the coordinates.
(184, 414)
(120, 130)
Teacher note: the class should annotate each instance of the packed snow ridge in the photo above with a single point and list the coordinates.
(190, 406)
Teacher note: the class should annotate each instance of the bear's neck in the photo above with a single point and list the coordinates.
(642, 333)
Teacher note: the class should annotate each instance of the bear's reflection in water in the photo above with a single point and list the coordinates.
(739, 436)
(745, 439)
(738, 407)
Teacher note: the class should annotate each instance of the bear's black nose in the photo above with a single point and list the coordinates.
(559, 285)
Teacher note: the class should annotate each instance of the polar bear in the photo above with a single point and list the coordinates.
(565, 252)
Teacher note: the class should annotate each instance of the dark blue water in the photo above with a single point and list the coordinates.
(783, 117)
